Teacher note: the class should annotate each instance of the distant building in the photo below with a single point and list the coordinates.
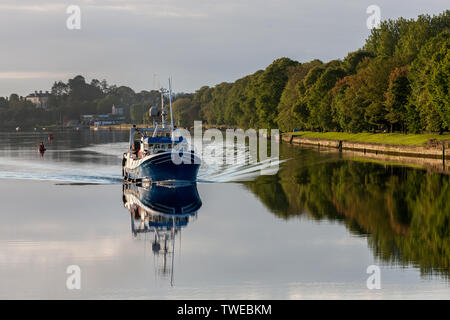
(39, 99)
(107, 119)
(87, 119)
(102, 119)
(116, 111)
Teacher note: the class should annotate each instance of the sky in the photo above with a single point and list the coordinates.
(141, 43)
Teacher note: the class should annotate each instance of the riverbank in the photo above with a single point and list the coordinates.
(124, 126)
(127, 126)
(381, 138)
(418, 145)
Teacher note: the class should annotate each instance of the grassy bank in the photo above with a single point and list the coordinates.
(384, 138)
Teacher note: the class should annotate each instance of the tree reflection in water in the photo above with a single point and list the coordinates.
(404, 212)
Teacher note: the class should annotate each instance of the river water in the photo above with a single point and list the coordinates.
(310, 230)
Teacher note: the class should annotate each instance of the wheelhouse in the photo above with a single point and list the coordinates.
(144, 141)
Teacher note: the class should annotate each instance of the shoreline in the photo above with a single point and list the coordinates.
(434, 158)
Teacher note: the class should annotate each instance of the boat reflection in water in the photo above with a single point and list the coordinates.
(161, 211)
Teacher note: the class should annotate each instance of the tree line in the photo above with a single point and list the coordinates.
(69, 100)
(398, 81)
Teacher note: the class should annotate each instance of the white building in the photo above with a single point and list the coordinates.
(117, 111)
(39, 99)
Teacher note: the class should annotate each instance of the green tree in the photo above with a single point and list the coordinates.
(138, 111)
(320, 97)
(269, 87)
(290, 114)
(397, 97)
(13, 98)
(429, 83)
(185, 112)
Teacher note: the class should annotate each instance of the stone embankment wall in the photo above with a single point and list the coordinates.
(437, 150)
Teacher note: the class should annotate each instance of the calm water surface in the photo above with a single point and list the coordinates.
(310, 231)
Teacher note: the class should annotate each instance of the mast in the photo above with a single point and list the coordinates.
(173, 249)
(163, 112)
(170, 102)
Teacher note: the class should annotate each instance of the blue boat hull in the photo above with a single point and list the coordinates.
(160, 167)
(183, 200)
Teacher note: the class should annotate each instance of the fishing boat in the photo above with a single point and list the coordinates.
(155, 155)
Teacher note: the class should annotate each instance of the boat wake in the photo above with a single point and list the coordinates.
(236, 173)
(95, 164)
(71, 178)
(242, 169)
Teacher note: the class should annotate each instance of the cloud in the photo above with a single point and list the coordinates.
(17, 75)
(45, 7)
(150, 9)
(146, 8)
